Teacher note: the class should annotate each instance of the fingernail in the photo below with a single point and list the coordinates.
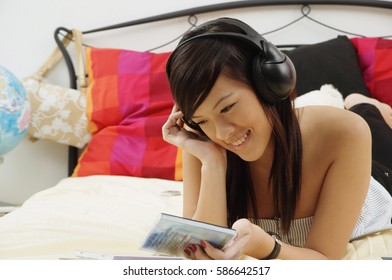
(186, 251)
(203, 244)
(194, 247)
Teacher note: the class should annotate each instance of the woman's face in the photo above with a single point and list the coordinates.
(233, 117)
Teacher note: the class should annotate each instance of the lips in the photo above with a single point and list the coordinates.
(241, 140)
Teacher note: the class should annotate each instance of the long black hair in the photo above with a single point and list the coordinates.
(193, 71)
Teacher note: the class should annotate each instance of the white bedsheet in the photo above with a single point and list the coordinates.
(106, 214)
(110, 215)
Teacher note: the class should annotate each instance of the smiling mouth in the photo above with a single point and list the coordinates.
(240, 141)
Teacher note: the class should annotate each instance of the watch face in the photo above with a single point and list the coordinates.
(275, 236)
(277, 240)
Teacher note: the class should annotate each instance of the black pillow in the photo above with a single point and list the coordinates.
(332, 62)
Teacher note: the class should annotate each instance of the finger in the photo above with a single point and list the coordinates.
(175, 112)
(175, 108)
(172, 121)
(213, 252)
(180, 121)
(199, 253)
(176, 115)
(189, 254)
(166, 127)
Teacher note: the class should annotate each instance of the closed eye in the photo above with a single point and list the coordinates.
(227, 108)
(224, 110)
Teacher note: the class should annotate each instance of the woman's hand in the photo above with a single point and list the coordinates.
(191, 141)
(235, 249)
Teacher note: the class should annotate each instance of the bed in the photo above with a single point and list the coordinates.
(126, 175)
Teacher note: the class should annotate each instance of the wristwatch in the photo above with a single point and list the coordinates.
(278, 244)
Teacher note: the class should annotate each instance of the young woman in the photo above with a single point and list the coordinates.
(294, 183)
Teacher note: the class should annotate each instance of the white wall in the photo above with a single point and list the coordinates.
(27, 27)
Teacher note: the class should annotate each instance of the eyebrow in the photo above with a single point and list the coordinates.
(223, 98)
(218, 102)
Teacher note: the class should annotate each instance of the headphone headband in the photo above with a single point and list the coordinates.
(273, 73)
(249, 35)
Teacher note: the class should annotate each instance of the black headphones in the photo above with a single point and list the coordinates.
(273, 73)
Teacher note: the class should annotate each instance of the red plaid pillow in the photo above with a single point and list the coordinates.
(128, 101)
(375, 59)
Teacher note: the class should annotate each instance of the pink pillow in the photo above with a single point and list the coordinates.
(375, 60)
(128, 101)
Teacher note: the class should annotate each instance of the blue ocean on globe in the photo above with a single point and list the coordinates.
(15, 111)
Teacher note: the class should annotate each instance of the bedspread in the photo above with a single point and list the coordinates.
(106, 214)
(111, 215)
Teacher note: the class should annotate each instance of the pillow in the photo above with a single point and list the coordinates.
(327, 95)
(332, 62)
(128, 101)
(375, 60)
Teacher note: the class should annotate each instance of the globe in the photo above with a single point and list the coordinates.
(15, 111)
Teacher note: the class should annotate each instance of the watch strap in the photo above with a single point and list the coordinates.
(278, 245)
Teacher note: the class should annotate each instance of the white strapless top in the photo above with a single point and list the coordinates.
(376, 215)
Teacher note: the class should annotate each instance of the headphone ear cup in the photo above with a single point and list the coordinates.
(259, 82)
(273, 78)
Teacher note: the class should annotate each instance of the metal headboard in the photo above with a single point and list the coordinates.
(73, 152)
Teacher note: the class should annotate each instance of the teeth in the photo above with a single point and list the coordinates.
(242, 140)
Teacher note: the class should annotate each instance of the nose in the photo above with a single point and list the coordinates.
(223, 130)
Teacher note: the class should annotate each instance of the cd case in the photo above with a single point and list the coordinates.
(170, 235)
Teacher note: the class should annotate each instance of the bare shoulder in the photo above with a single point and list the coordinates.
(330, 123)
(331, 135)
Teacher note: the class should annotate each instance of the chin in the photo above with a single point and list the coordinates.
(249, 157)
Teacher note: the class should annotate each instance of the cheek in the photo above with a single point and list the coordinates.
(265, 131)
(259, 120)
(266, 126)
(262, 130)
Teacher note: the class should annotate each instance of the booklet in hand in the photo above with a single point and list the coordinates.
(170, 235)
